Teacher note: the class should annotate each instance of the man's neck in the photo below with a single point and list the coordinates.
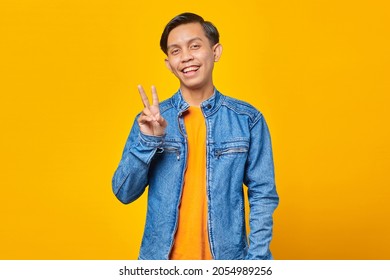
(194, 97)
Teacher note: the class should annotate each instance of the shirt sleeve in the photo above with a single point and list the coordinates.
(131, 177)
(262, 196)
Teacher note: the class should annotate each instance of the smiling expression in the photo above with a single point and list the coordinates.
(190, 56)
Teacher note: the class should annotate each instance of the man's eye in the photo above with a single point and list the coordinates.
(195, 46)
(175, 51)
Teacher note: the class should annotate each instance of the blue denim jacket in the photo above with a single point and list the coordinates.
(238, 152)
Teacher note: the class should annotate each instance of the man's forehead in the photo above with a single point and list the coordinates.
(185, 33)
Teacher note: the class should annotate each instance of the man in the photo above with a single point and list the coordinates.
(195, 151)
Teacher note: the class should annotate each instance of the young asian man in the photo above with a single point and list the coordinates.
(195, 151)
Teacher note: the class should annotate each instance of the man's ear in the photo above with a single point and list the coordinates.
(168, 65)
(217, 49)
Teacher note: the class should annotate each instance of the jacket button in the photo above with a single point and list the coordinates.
(208, 106)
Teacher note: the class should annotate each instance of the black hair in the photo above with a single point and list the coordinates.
(210, 30)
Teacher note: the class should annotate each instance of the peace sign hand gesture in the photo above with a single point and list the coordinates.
(150, 121)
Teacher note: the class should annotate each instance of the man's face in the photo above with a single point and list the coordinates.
(190, 56)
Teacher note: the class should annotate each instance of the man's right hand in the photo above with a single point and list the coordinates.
(150, 121)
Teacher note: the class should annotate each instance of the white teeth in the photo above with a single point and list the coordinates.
(186, 70)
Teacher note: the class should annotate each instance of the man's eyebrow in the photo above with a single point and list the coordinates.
(188, 42)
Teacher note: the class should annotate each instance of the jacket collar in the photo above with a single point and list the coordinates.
(209, 106)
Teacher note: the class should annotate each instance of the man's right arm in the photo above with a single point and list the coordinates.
(131, 177)
(147, 134)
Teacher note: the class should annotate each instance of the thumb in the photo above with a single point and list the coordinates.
(161, 120)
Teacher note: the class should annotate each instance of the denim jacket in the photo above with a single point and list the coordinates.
(238, 151)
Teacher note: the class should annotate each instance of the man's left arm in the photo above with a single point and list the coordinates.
(262, 196)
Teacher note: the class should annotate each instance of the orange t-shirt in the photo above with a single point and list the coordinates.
(191, 239)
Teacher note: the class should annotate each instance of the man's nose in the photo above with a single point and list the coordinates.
(186, 56)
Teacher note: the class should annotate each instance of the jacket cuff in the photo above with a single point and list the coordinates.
(151, 141)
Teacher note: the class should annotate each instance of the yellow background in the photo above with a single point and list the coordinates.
(318, 70)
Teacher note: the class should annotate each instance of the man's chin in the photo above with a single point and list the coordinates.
(192, 84)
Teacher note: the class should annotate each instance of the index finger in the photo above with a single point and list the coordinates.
(155, 96)
(144, 98)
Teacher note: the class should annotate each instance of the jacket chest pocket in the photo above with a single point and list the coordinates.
(168, 150)
(233, 148)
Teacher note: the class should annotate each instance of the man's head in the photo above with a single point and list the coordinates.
(210, 30)
(192, 47)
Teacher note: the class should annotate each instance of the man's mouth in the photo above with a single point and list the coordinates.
(190, 69)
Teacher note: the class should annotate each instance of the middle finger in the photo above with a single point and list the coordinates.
(144, 98)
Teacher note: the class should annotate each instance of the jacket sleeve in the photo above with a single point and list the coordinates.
(262, 195)
(131, 177)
